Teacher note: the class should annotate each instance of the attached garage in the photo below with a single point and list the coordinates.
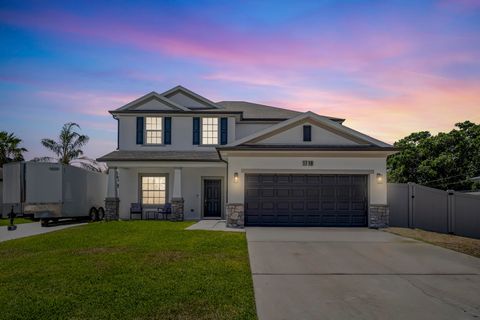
(332, 200)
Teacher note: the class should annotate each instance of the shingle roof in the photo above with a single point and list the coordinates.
(261, 111)
(123, 155)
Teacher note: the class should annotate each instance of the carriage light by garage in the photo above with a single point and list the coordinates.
(235, 177)
(379, 178)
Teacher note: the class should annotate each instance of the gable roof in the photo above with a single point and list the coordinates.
(324, 121)
(152, 95)
(247, 110)
(260, 111)
(190, 94)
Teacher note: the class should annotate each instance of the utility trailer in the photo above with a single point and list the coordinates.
(52, 191)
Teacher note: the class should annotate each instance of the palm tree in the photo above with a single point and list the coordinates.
(9, 148)
(68, 148)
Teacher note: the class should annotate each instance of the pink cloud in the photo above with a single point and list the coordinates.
(219, 45)
(87, 102)
(436, 109)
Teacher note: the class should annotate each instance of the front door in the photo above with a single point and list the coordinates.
(212, 198)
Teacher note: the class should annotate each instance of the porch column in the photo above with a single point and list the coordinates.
(177, 183)
(112, 201)
(177, 199)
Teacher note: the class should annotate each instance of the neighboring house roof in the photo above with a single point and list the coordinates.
(321, 120)
(260, 111)
(124, 155)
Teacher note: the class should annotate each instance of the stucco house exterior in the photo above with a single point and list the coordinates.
(248, 163)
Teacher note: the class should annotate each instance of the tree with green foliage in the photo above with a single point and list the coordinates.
(10, 149)
(444, 161)
(68, 148)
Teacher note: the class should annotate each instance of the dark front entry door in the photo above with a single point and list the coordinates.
(306, 200)
(212, 198)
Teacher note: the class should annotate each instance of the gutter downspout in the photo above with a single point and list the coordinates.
(118, 130)
(226, 175)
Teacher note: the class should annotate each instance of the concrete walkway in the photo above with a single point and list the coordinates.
(32, 229)
(213, 225)
(322, 273)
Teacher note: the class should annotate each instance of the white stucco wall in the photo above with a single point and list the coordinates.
(336, 164)
(191, 187)
(182, 133)
(154, 104)
(246, 129)
(320, 136)
(186, 101)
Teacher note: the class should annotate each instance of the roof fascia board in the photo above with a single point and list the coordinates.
(225, 154)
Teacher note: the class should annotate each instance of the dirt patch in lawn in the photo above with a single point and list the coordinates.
(461, 244)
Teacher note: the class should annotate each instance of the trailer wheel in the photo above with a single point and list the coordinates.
(93, 214)
(44, 222)
(101, 214)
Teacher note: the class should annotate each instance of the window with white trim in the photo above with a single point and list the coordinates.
(209, 130)
(153, 130)
(153, 190)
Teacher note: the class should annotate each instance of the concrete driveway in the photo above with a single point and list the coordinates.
(33, 229)
(329, 273)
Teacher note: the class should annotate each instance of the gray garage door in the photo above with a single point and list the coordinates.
(306, 200)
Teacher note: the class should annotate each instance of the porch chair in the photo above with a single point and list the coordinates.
(136, 209)
(165, 210)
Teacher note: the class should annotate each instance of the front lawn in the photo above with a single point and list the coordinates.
(6, 222)
(461, 244)
(127, 270)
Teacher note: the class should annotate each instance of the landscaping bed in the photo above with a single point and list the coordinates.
(127, 270)
(461, 244)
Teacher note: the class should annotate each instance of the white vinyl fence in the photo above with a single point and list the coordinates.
(415, 206)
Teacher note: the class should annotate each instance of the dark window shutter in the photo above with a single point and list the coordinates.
(167, 128)
(307, 133)
(223, 130)
(139, 130)
(196, 131)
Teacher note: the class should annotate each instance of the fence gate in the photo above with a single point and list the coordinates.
(415, 206)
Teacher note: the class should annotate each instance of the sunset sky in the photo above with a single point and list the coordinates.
(388, 67)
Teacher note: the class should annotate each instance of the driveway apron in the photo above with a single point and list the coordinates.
(332, 273)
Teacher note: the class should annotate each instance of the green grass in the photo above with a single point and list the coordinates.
(127, 270)
(6, 222)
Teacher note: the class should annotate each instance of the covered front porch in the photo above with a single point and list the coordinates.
(195, 190)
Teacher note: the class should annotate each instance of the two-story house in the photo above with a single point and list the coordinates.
(248, 163)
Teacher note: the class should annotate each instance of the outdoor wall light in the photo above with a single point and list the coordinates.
(379, 178)
(235, 177)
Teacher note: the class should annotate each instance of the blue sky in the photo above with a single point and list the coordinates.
(389, 67)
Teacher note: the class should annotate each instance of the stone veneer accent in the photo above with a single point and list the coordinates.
(177, 209)
(111, 208)
(235, 215)
(378, 216)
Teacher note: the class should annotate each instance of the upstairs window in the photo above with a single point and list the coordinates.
(210, 131)
(307, 133)
(153, 130)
